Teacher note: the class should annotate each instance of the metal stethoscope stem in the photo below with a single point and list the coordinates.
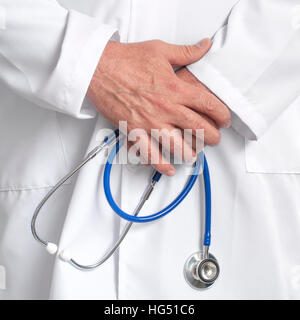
(65, 256)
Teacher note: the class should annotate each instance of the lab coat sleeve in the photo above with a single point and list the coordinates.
(49, 54)
(254, 63)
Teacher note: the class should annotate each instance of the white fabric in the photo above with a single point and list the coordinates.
(265, 62)
(48, 52)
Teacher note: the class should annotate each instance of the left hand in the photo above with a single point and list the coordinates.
(185, 75)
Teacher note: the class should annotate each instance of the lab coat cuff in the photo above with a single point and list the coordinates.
(85, 40)
(245, 119)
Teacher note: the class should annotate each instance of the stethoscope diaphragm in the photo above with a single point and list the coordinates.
(201, 272)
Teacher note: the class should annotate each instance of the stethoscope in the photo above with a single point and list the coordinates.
(201, 269)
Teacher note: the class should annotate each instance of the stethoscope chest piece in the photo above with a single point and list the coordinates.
(201, 272)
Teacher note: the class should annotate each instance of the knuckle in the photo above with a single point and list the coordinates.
(186, 51)
(194, 121)
(208, 103)
(157, 46)
(162, 106)
(216, 110)
(189, 122)
(174, 86)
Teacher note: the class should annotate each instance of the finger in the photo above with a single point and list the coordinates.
(150, 154)
(186, 118)
(185, 75)
(208, 119)
(196, 142)
(144, 162)
(181, 55)
(172, 142)
(203, 101)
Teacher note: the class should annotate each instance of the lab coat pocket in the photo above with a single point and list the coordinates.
(278, 151)
(31, 150)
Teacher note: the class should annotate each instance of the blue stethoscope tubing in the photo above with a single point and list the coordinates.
(173, 204)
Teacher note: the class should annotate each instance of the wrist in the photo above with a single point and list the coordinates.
(106, 65)
(110, 56)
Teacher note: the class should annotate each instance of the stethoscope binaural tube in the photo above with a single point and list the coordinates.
(52, 247)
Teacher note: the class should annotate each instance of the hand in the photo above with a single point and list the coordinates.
(185, 75)
(136, 83)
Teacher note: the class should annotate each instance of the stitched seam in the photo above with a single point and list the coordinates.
(59, 133)
(243, 113)
(28, 188)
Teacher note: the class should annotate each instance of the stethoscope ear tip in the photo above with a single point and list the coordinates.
(65, 256)
(51, 248)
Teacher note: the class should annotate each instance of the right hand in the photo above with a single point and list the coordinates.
(136, 83)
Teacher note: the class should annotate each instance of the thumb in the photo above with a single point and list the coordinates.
(183, 55)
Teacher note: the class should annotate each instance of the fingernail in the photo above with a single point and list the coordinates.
(203, 43)
(227, 124)
(171, 172)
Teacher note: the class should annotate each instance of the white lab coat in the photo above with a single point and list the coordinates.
(48, 53)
